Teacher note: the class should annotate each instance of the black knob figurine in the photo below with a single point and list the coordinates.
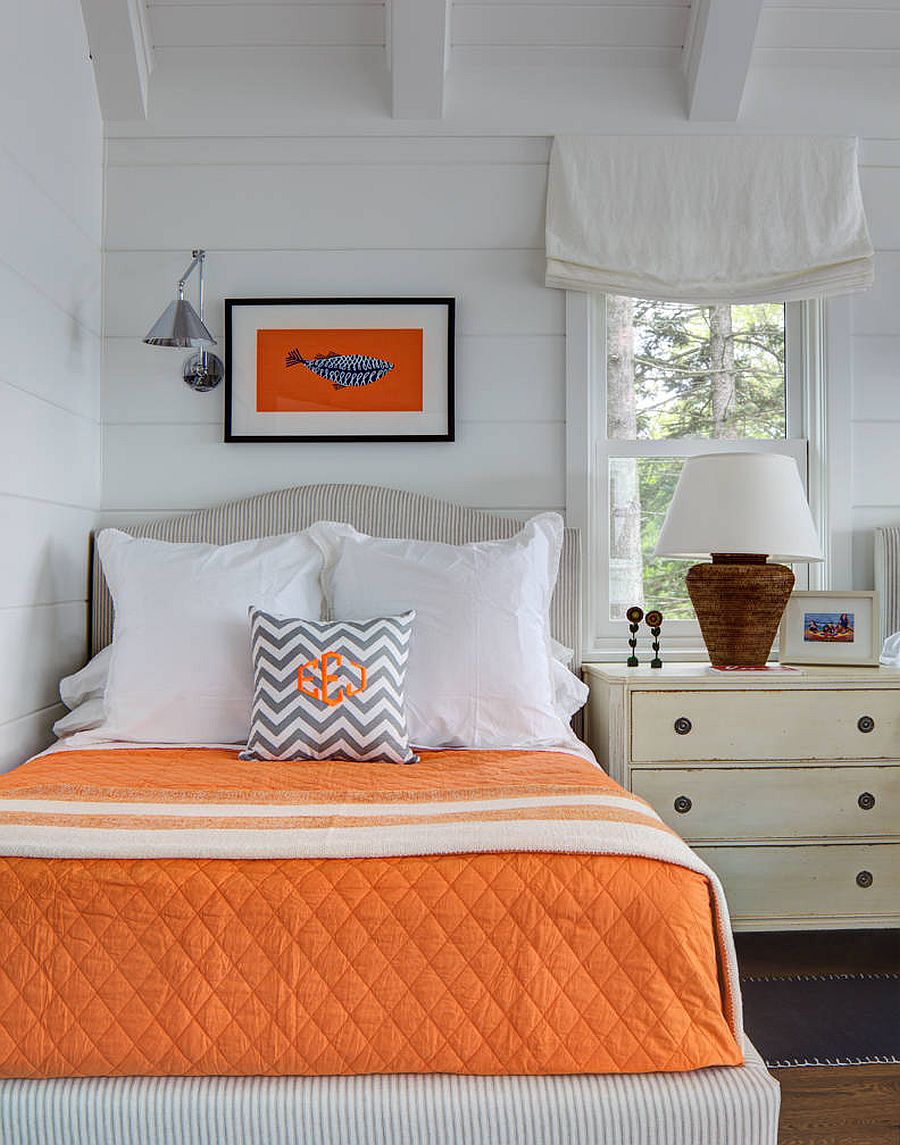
(634, 615)
(654, 620)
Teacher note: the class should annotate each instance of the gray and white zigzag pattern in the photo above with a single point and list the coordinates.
(291, 720)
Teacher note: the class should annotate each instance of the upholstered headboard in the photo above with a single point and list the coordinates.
(370, 508)
(887, 577)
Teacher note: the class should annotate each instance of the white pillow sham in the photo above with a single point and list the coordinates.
(88, 683)
(84, 717)
(569, 693)
(82, 693)
(180, 669)
(480, 668)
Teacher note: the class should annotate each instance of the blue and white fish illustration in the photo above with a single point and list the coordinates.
(343, 370)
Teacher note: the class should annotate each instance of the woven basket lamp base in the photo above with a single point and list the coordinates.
(739, 600)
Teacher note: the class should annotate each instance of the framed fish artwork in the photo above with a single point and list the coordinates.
(339, 369)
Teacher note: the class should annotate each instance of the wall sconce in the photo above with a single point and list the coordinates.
(181, 325)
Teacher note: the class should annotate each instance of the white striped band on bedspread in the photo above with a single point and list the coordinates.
(722, 1106)
(373, 509)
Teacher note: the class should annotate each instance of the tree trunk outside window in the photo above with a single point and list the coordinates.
(626, 583)
(722, 375)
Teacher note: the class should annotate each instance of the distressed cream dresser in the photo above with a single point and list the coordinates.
(788, 786)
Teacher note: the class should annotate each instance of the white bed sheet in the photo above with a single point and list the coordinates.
(573, 746)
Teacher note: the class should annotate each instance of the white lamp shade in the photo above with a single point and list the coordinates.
(739, 503)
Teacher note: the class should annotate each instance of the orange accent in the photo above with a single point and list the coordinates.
(140, 822)
(154, 775)
(117, 967)
(295, 389)
(321, 692)
(348, 688)
(331, 678)
(145, 967)
(301, 671)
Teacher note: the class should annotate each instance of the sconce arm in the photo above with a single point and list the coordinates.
(197, 260)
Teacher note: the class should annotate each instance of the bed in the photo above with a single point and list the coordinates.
(490, 947)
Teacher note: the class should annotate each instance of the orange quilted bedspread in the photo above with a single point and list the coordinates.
(506, 962)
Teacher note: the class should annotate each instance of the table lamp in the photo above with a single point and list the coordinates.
(746, 511)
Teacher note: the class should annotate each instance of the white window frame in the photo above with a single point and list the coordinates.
(810, 346)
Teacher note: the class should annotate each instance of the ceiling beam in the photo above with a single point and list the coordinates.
(122, 53)
(418, 49)
(716, 57)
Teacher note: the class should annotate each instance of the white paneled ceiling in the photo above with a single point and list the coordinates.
(651, 26)
(657, 28)
(330, 61)
(822, 31)
(254, 24)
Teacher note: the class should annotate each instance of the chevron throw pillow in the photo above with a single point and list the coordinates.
(329, 689)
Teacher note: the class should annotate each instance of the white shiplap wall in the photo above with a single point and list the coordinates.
(50, 320)
(458, 217)
(454, 216)
(456, 209)
(875, 356)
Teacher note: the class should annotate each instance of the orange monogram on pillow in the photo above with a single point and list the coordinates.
(319, 690)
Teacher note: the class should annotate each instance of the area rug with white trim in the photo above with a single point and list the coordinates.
(823, 1019)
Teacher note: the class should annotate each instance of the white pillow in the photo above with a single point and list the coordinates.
(180, 668)
(569, 693)
(88, 683)
(84, 717)
(480, 666)
(890, 653)
(82, 693)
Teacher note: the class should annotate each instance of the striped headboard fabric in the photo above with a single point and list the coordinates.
(887, 577)
(372, 509)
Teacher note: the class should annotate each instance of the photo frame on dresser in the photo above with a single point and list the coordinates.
(339, 369)
(841, 629)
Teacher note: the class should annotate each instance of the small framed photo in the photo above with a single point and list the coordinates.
(830, 628)
(339, 369)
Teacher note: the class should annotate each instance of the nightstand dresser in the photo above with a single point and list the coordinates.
(787, 785)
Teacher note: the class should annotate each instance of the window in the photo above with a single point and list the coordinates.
(664, 381)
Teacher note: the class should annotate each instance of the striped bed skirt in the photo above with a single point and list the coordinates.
(725, 1106)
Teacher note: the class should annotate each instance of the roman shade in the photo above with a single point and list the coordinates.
(707, 219)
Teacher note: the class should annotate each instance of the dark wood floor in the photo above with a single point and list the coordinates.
(841, 1105)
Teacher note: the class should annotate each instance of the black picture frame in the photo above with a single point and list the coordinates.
(448, 435)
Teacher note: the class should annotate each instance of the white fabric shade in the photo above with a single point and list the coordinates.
(739, 503)
(707, 219)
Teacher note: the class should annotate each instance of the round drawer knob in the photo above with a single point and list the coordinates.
(866, 801)
(865, 724)
(683, 725)
(864, 879)
(682, 805)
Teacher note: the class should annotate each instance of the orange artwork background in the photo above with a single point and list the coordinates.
(295, 389)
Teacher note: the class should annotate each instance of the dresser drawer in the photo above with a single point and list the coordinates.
(773, 802)
(764, 724)
(842, 882)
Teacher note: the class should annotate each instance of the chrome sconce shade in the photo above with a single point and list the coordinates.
(181, 326)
